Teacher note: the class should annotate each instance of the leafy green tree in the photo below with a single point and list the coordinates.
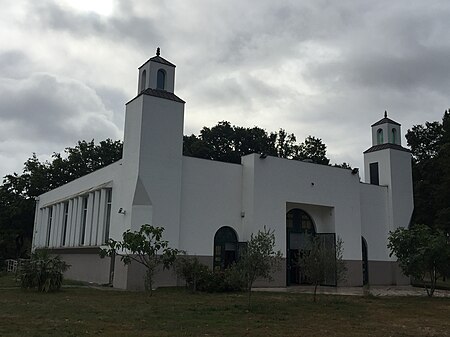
(145, 247)
(258, 260)
(322, 260)
(423, 253)
(313, 148)
(228, 143)
(430, 148)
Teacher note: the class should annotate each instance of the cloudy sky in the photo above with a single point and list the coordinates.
(322, 68)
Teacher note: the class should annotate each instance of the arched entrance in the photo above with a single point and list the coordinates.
(365, 262)
(225, 248)
(299, 230)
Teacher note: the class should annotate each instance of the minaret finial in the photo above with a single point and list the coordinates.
(385, 113)
(158, 51)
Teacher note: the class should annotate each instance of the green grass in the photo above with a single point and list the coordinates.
(175, 312)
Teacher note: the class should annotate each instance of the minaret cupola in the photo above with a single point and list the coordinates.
(157, 73)
(386, 131)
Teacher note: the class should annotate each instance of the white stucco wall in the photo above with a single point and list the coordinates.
(150, 188)
(374, 215)
(395, 171)
(271, 183)
(402, 188)
(211, 198)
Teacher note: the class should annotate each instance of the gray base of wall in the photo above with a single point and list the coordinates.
(354, 274)
(386, 273)
(86, 265)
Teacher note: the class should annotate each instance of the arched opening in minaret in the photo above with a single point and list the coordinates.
(161, 79)
(379, 136)
(394, 136)
(143, 80)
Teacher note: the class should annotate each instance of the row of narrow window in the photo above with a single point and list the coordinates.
(160, 79)
(62, 240)
(380, 139)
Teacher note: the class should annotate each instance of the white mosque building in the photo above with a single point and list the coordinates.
(209, 208)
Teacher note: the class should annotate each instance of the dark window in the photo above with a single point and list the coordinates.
(49, 225)
(161, 80)
(84, 220)
(143, 79)
(108, 214)
(299, 232)
(225, 248)
(374, 177)
(66, 216)
(365, 263)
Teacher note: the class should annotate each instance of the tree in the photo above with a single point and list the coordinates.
(322, 261)
(313, 149)
(259, 259)
(430, 148)
(228, 143)
(145, 247)
(423, 253)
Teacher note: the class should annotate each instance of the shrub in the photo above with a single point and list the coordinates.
(191, 270)
(221, 281)
(43, 272)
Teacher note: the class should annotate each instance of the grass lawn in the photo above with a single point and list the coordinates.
(78, 311)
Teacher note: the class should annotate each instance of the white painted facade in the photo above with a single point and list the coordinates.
(193, 198)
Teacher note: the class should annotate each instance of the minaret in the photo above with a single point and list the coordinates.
(152, 154)
(388, 163)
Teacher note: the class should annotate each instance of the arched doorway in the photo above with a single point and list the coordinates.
(225, 248)
(299, 231)
(365, 262)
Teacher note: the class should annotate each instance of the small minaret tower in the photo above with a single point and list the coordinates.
(152, 153)
(388, 163)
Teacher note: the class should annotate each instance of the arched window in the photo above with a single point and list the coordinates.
(143, 80)
(365, 263)
(298, 221)
(225, 248)
(379, 136)
(299, 232)
(394, 136)
(161, 80)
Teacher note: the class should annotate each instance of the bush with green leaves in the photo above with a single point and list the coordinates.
(145, 247)
(191, 270)
(42, 271)
(423, 253)
(221, 281)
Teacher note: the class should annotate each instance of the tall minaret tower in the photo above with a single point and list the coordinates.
(152, 154)
(388, 163)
